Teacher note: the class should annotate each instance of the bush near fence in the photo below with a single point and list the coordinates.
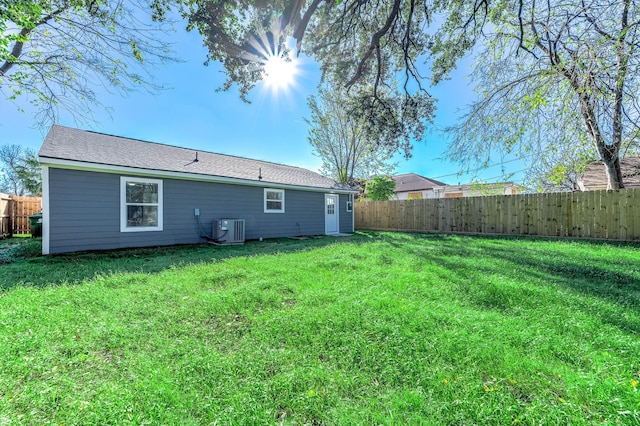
(14, 213)
(611, 215)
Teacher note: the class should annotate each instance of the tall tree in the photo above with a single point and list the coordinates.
(340, 140)
(19, 174)
(575, 58)
(54, 53)
(547, 66)
(367, 45)
(29, 172)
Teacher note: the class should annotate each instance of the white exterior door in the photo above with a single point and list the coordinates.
(331, 213)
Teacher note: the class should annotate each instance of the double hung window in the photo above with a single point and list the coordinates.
(273, 200)
(140, 204)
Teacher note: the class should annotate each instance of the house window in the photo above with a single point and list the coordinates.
(273, 200)
(350, 203)
(453, 195)
(140, 204)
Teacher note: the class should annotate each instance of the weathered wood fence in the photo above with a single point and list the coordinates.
(15, 212)
(594, 214)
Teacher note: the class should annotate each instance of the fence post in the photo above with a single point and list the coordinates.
(5, 215)
(11, 211)
(20, 208)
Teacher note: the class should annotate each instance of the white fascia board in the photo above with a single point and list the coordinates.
(45, 210)
(133, 171)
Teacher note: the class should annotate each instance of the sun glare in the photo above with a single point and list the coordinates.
(268, 52)
(279, 72)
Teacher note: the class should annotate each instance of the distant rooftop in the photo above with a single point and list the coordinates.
(414, 182)
(595, 174)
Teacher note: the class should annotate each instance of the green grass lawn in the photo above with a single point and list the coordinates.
(378, 328)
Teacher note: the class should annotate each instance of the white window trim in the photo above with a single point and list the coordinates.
(265, 200)
(350, 203)
(123, 204)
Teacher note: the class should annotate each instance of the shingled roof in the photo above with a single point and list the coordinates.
(414, 182)
(595, 175)
(65, 143)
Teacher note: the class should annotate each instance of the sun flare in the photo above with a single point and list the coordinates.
(269, 54)
(280, 72)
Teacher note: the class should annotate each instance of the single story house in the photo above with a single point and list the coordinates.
(108, 192)
(411, 186)
(595, 174)
(477, 190)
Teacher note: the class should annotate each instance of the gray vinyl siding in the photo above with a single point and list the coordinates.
(346, 218)
(84, 212)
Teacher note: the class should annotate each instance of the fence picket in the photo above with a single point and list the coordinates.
(14, 213)
(593, 214)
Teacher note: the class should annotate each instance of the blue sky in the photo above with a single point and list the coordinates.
(190, 113)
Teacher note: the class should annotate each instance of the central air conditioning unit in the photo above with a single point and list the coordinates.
(228, 231)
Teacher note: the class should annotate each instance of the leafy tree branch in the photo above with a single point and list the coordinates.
(54, 54)
(567, 64)
(364, 45)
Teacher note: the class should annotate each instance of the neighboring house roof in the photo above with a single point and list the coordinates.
(595, 174)
(484, 186)
(414, 182)
(69, 144)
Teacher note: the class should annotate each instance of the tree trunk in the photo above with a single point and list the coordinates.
(608, 153)
(614, 173)
(611, 159)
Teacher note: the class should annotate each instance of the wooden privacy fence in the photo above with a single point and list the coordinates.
(594, 214)
(15, 212)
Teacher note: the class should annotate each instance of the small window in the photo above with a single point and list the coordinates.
(453, 195)
(140, 204)
(273, 200)
(350, 203)
(331, 206)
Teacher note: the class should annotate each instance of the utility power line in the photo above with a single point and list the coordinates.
(485, 167)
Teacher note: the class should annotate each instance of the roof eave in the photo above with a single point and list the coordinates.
(133, 171)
